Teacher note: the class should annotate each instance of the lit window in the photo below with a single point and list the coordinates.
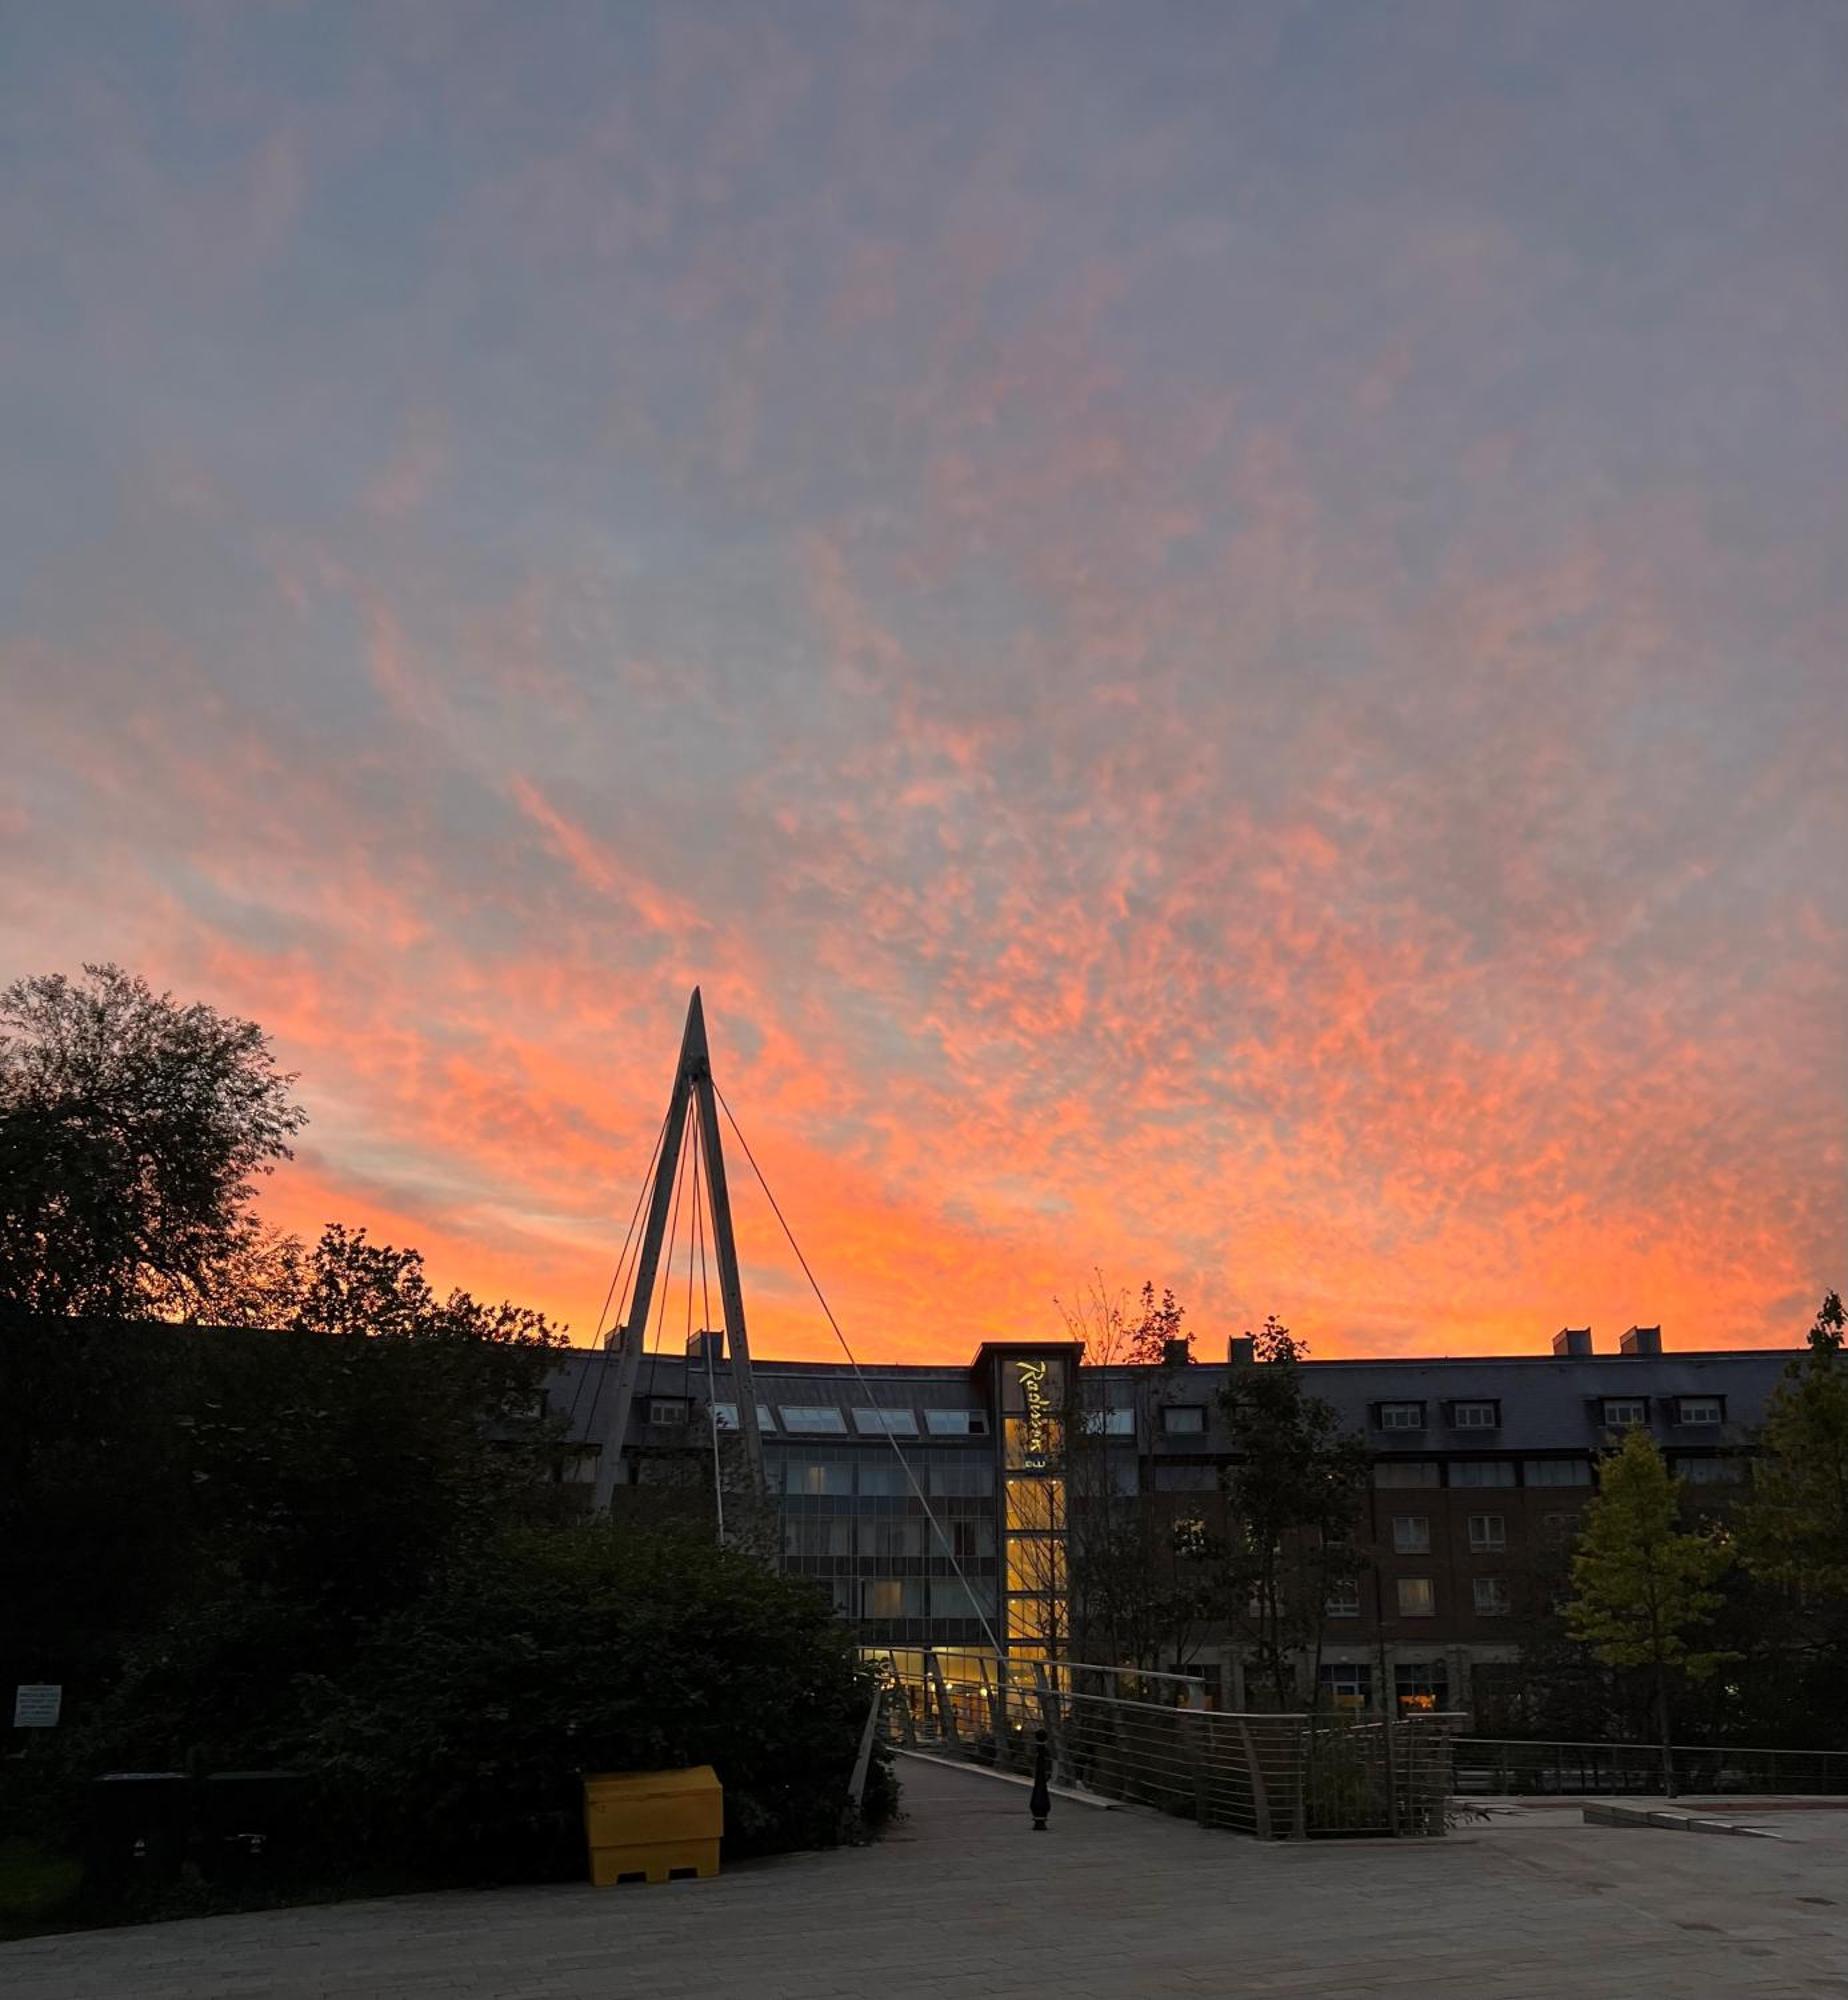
(1411, 1534)
(1482, 1472)
(1191, 1542)
(1488, 1531)
(884, 1423)
(893, 1597)
(1475, 1416)
(1343, 1599)
(1700, 1410)
(1401, 1416)
(1421, 1686)
(812, 1417)
(1557, 1472)
(1621, 1412)
(1417, 1597)
(1491, 1595)
(1184, 1419)
(816, 1475)
(1405, 1472)
(956, 1423)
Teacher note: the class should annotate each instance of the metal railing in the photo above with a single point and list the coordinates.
(1511, 1767)
(1273, 1776)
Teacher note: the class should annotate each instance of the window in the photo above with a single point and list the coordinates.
(1482, 1472)
(1421, 1686)
(884, 1475)
(1399, 1416)
(1346, 1684)
(1191, 1542)
(973, 1540)
(1481, 1416)
(1488, 1531)
(1557, 1472)
(812, 1418)
(1186, 1479)
(816, 1535)
(1184, 1419)
(884, 1423)
(1417, 1597)
(962, 1477)
(1110, 1423)
(1700, 1410)
(956, 1423)
(725, 1416)
(1491, 1594)
(1120, 1475)
(954, 1597)
(1405, 1472)
(891, 1537)
(666, 1410)
(817, 1475)
(1411, 1535)
(1709, 1471)
(893, 1597)
(1559, 1527)
(1343, 1599)
(1620, 1412)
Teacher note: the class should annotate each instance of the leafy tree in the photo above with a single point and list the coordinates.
(132, 1131)
(1794, 1530)
(464, 1726)
(1643, 1585)
(1295, 1494)
(1157, 1327)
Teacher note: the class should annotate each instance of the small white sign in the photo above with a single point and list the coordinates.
(36, 1705)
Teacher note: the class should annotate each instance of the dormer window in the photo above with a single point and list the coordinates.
(1622, 1413)
(1399, 1416)
(1700, 1409)
(667, 1410)
(1482, 1415)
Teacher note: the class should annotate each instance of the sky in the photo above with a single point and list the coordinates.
(1219, 632)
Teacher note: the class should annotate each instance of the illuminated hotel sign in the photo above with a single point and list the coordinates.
(1036, 1453)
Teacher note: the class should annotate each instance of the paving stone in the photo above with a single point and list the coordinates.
(965, 1902)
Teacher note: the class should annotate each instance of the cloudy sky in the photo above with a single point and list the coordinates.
(1218, 630)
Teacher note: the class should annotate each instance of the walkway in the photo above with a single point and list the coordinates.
(964, 1902)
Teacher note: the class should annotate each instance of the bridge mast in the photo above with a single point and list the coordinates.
(693, 1087)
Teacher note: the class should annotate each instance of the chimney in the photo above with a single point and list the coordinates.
(1176, 1353)
(1572, 1340)
(706, 1346)
(1642, 1340)
(1241, 1350)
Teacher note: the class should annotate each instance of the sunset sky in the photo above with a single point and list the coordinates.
(1219, 631)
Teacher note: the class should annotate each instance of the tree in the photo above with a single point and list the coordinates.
(1643, 1585)
(132, 1131)
(1157, 1328)
(1794, 1530)
(1295, 1496)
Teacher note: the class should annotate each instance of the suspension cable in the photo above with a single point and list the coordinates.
(705, 1337)
(852, 1361)
(615, 1277)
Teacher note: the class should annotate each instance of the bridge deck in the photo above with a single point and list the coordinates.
(965, 1900)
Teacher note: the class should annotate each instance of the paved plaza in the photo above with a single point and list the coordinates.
(964, 1899)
